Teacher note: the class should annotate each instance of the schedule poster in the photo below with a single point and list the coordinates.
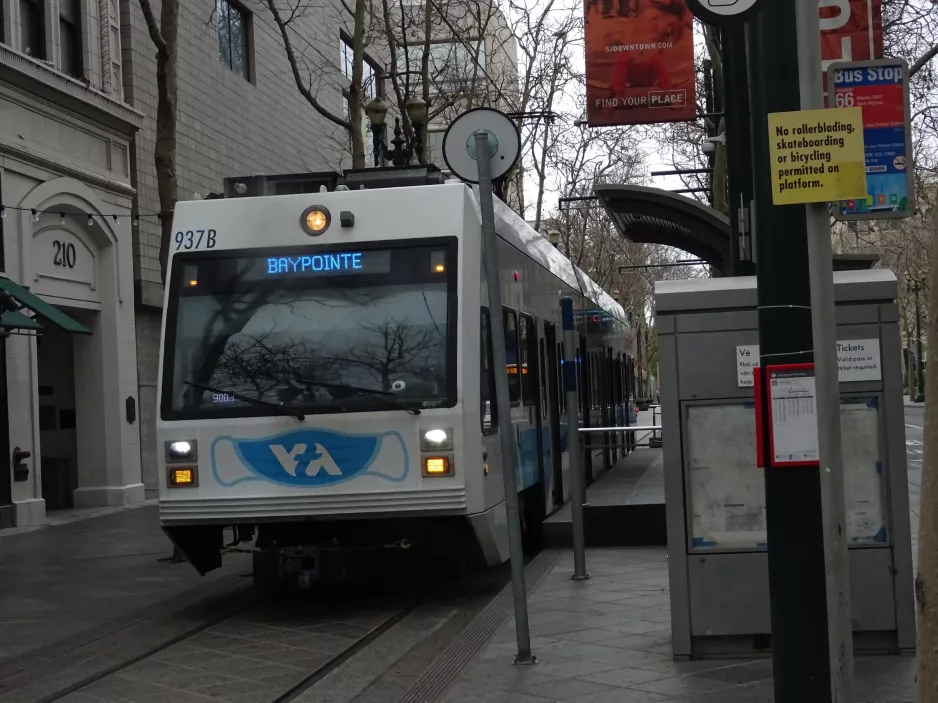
(880, 90)
(793, 436)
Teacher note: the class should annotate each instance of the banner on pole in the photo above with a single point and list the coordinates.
(851, 30)
(881, 90)
(639, 62)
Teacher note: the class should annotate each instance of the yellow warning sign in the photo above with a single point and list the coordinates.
(817, 156)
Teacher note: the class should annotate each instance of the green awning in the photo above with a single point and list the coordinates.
(18, 321)
(41, 307)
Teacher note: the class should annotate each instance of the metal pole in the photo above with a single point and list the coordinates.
(826, 375)
(577, 480)
(919, 358)
(795, 535)
(502, 406)
(738, 147)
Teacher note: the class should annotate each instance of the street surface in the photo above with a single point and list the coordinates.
(914, 425)
(93, 612)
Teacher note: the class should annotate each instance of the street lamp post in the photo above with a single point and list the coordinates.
(402, 151)
(919, 370)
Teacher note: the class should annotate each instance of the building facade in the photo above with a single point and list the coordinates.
(78, 96)
(69, 411)
(239, 112)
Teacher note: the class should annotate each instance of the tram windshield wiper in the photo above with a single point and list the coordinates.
(248, 399)
(364, 392)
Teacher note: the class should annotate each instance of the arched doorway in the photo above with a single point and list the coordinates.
(88, 446)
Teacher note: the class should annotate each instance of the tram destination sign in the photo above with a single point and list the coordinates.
(881, 90)
(334, 263)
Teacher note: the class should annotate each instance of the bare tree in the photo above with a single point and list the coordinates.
(548, 36)
(926, 581)
(309, 65)
(164, 35)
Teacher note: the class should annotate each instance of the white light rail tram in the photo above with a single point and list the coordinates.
(326, 385)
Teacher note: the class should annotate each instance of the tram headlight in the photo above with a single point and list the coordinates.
(315, 220)
(182, 450)
(437, 439)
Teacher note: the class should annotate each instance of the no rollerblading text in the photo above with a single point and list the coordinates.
(816, 156)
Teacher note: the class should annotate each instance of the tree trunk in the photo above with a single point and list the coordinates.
(926, 581)
(164, 152)
(422, 152)
(355, 88)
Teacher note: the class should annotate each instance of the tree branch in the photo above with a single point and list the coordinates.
(295, 69)
(153, 27)
(924, 59)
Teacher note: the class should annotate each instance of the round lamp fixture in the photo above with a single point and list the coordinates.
(377, 111)
(315, 220)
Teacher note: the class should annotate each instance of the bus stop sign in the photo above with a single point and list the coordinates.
(880, 89)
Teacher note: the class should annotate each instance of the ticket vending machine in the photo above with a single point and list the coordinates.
(708, 345)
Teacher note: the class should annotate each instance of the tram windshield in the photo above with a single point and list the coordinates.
(311, 330)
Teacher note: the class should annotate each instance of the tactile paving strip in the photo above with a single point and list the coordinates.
(437, 678)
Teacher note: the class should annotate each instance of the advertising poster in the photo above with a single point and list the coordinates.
(639, 62)
(851, 30)
(880, 90)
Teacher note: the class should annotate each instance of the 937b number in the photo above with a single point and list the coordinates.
(195, 239)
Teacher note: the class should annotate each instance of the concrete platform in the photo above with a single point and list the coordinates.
(607, 640)
(624, 506)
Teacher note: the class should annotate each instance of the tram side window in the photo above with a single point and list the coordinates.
(528, 348)
(511, 356)
(542, 374)
(489, 414)
(598, 394)
(561, 389)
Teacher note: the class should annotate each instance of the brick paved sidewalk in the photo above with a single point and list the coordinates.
(607, 640)
(75, 581)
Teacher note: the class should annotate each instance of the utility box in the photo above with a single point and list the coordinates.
(708, 344)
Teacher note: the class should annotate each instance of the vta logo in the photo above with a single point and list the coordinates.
(314, 458)
(290, 460)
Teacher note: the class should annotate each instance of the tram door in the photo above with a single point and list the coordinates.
(529, 426)
(551, 363)
(586, 406)
(520, 340)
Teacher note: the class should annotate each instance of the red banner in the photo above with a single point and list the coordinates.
(639, 62)
(851, 30)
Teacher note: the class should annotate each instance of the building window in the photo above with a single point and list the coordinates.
(70, 38)
(32, 36)
(371, 84)
(453, 66)
(233, 30)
